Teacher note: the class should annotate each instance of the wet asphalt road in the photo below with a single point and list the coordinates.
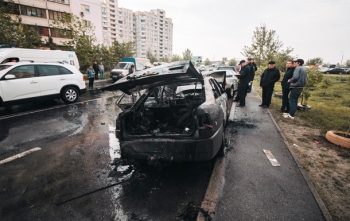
(78, 159)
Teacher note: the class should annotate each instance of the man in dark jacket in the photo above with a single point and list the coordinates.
(268, 79)
(253, 69)
(285, 86)
(96, 69)
(244, 79)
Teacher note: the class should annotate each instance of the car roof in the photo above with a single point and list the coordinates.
(157, 76)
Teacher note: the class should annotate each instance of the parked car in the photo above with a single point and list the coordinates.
(22, 82)
(347, 70)
(202, 68)
(227, 68)
(228, 80)
(334, 71)
(181, 115)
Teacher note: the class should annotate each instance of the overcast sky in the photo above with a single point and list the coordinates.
(221, 28)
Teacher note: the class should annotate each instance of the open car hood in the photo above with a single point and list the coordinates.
(156, 76)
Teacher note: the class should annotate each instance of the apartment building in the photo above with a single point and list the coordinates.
(40, 15)
(153, 33)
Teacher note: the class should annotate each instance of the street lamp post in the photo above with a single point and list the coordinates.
(341, 61)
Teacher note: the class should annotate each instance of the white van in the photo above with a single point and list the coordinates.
(37, 55)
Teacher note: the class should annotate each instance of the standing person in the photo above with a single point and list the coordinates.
(285, 86)
(268, 79)
(244, 79)
(297, 83)
(91, 75)
(95, 66)
(132, 69)
(101, 68)
(253, 68)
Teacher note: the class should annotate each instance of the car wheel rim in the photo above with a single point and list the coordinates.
(71, 95)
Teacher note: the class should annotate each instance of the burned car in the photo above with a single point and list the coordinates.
(180, 115)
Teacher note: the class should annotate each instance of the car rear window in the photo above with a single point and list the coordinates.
(64, 70)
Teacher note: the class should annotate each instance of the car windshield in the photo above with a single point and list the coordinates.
(3, 67)
(122, 65)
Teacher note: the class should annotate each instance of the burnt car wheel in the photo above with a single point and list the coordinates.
(69, 95)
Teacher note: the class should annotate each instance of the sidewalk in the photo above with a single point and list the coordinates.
(253, 188)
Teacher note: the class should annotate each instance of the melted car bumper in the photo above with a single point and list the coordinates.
(168, 149)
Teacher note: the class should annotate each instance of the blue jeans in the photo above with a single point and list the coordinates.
(293, 100)
(101, 74)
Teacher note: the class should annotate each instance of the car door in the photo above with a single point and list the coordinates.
(24, 85)
(51, 81)
(220, 96)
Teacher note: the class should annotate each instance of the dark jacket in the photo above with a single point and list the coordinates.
(287, 75)
(244, 76)
(269, 77)
(253, 68)
(95, 67)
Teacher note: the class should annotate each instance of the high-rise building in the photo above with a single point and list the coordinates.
(153, 34)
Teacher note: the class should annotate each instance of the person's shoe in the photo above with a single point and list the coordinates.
(265, 106)
(285, 114)
(261, 105)
(288, 116)
(240, 105)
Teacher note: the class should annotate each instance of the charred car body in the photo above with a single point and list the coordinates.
(180, 116)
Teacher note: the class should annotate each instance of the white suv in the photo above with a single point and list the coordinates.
(31, 81)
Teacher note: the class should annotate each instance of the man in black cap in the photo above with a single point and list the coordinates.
(253, 68)
(297, 83)
(244, 79)
(268, 79)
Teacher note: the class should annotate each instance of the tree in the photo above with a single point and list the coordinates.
(265, 45)
(176, 57)
(12, 29)
(232, 62)
(313, 77)
(281, 59)
(347, 63)
(314, 61)
(151, 57)
(207, 62)
(187, 55)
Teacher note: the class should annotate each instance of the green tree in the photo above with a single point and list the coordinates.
(326, 83)
(165, 59)
(122, 50)
(265, 45)
(232, 62)
(314, 61)
(151, 57)
(207, 62)
(281, 59)
(12, 29)
(187, 55)
(314, 77)
(176, 57)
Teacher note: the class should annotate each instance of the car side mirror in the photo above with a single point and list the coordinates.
(10, 76)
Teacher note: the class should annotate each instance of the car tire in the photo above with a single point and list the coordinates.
(69, 95)
(221, 151)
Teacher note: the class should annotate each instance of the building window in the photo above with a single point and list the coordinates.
(66, 2)
(53, 15)
(42, 31)
(85, 9)
(31, 11)
(10, 7)
(61, 33)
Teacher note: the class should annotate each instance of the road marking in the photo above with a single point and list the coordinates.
(271, 158)
(19, 155)
(232, 111)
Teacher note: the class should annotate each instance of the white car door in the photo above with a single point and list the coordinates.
(51, 81)
(25, 85)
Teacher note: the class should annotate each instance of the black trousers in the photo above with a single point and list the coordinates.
(242, 93)
(285, 99)
(96, 74)
(267, 95)
(91, 82)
